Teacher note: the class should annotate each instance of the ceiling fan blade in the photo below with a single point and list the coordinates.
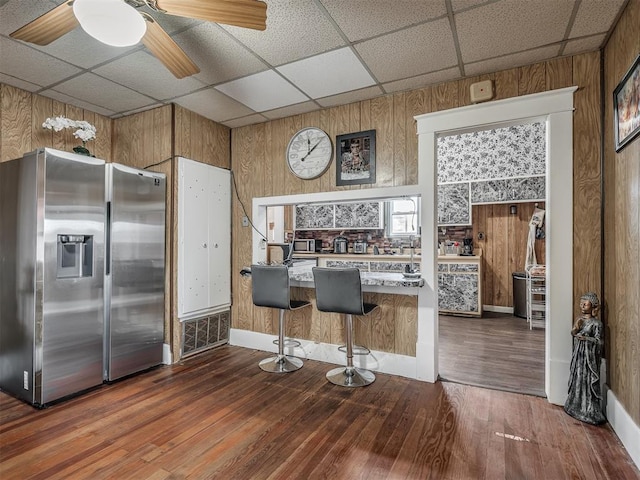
(241, 13)
(167, 51)
(49, 26)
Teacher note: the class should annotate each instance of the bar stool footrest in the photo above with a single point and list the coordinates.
(280, 364)
(288, 343)
(357, 350)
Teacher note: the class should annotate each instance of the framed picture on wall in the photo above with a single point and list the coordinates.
(356, 158)
(626, 105)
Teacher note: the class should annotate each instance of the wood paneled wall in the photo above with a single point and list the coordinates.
(504, 248)
(622, 226)
(258, 161)
(154, 139)
(22, 114)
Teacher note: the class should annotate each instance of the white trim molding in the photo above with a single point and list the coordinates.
(556, 109)
(376, 361)
(622, 423)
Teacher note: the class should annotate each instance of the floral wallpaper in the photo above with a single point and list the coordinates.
(358, 215)
(515, 151)
(453, 204)
(510, 189)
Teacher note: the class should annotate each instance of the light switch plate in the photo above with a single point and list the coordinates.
(481, 91)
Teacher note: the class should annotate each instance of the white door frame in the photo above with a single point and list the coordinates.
(556, 109)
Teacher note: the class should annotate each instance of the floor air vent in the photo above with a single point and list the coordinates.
(202, 333)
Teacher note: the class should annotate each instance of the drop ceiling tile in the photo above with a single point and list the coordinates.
(219, 56)
(417, 50)
(587, 44)
(105, 93)
(350, 97)
(40, 69)
(328, 73)
(138, 110)
(458, 5)
(171, 23)
(16, 13)
(295, 29)
(16, 82)
(291, 110)
(61, 97)
(511, 61)
(506, 27)
(243, 121)
(157, 82)
(420, 81)
(595, 16)
(79, 48)
(213, 105)
(263, 91)
(360, 19)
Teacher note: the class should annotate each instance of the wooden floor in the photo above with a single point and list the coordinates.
(218, 416)
(496, 351)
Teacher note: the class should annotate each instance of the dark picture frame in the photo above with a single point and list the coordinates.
(626, 106)
(356, 166)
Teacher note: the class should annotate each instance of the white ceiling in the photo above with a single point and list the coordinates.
(313, 54)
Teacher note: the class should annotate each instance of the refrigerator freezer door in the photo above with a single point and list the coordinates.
(69, 358)
(136, 274)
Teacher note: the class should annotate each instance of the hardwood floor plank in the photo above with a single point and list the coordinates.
(495, 351)
(217, 415)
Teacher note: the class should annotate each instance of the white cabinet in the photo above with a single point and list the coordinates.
(204, 238)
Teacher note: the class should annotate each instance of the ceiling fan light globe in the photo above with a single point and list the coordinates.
(112, 22)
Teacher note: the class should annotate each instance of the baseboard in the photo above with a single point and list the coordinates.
(383, 362)
(497, 309)
(628, 432)
(166, 354)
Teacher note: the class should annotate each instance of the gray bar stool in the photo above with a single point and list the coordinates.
(270, 288)
(338, 290)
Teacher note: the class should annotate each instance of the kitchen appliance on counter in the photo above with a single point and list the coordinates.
(310, 245)
(360, 246)
(467, 247)
(340, 245)
(81, 280)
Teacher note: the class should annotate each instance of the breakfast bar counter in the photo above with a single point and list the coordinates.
(378, 281)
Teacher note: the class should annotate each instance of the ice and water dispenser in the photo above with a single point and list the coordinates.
(75, 256)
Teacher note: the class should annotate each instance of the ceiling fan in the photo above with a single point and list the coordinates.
(119, 23)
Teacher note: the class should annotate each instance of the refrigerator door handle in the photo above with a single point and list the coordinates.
(107, 268)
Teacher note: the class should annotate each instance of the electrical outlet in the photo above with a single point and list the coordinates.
(245, 221)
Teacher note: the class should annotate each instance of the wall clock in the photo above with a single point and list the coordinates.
(309, 153)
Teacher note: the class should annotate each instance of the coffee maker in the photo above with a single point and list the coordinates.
(467, 246)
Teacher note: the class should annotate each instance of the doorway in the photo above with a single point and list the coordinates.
(498, 176)
(555, 108)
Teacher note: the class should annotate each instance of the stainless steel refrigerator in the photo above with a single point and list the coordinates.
(134, 270)
(71, 316)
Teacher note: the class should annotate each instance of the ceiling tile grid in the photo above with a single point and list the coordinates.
(313, 54)
(328, 73)
(431, 48)
(360, 19)
(511, 26)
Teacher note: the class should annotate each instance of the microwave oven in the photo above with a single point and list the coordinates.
(307, 245)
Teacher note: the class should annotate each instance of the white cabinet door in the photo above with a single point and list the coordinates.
(204, 238)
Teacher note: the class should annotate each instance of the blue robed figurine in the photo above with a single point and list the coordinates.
(584, 399)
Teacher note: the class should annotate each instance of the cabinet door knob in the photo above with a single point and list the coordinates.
(204, 245)
(216, 245)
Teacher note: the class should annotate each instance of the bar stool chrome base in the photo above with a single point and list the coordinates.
(280, 364)
(350, 377)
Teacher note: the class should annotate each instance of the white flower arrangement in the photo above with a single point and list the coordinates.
(85, 131)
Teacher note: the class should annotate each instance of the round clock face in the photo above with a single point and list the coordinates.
(309, 153)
